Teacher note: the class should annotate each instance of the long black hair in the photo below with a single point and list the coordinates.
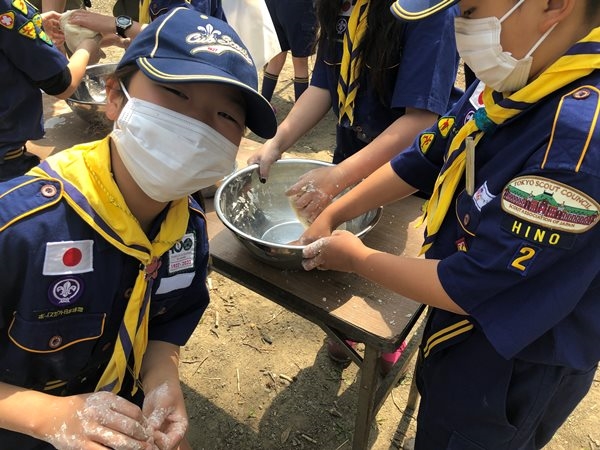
(381, 47)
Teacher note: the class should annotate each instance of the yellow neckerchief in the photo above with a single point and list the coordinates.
(350, 68)
(87, 168)
(144, 12)
(578, 62)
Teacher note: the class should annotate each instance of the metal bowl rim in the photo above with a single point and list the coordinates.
(83, 102)
(93, 66)
(253, 167)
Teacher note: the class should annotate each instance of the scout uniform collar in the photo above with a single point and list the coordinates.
(419, 9)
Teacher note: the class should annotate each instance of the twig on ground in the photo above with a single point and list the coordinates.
(308, 438)
(199, 365)
(342, 444)
(285, 377)
(274, 316)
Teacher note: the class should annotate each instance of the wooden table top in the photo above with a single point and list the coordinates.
(356, 307)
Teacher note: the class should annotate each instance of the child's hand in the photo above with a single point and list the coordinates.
(315, 190)
(86, 420)
(51, 25)
(265, 157)
(164, 409)
(339, 252)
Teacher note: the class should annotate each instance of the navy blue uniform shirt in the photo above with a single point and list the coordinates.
(521, 254)
(422, 78)
(212, 8)
(27, 56)
(65, 290)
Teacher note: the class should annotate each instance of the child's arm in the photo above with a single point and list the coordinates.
(71, 422)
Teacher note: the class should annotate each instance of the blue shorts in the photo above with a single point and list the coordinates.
(474, 399)
(295, 24)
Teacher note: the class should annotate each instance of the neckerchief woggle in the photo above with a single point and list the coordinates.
(580, 60)
(91, 176)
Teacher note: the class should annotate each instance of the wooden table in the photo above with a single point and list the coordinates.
(343, 305)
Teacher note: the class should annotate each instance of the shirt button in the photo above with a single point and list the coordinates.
(466, 220)
(48, 190)
(55, 341)
(128, 293)
(581, 94)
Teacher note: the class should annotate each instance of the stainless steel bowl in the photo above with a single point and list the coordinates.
(209, 192)
(89, 99)
(262, 218)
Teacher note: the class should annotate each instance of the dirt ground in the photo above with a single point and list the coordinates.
(257, 376)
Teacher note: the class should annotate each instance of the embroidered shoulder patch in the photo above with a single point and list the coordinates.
(550, 204)
(445, 125)
(425, 141)
(28, 30)
(7, 20)
(21, 6)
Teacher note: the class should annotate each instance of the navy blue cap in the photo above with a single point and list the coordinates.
(419, 9)
(184, 46)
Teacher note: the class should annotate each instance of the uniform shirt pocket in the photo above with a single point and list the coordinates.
(52, 349)
(467, 213)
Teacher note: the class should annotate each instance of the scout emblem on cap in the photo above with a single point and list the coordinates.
(212, 40)
(553, 205)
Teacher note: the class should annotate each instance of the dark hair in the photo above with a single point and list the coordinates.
(592, 10)
(125, 73)
(381, 46)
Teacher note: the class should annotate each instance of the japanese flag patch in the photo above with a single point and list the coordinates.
(68, 257)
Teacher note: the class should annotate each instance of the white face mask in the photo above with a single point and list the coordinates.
(478, 43)
(168, 154)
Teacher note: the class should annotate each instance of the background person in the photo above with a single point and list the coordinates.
(296, 27)
(511, 344)
(109, 254)
(130, 17)
(399, 79)
(399, 87)
(29, 64)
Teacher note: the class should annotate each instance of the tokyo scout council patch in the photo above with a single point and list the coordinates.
(550, 204)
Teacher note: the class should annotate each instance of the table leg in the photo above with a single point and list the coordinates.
(369, 379)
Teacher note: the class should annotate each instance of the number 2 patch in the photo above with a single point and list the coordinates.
(523, 259)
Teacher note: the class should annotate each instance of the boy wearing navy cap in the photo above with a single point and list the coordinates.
(109, 252)
(511, 266)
